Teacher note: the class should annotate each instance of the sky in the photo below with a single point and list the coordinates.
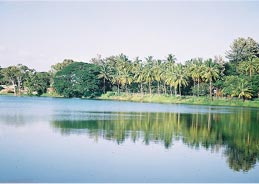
(40, 34)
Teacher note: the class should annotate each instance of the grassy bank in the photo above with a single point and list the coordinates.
(181, 99)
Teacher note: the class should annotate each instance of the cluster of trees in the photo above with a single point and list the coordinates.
(159, 76)
(239, 77)
(29, 81)
(21, 76)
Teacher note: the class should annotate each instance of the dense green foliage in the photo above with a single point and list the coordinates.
(197, 77)
(78, 80)
(38, 82)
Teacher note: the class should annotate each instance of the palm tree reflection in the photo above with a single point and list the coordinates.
(237, 133)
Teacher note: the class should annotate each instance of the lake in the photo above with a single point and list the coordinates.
(78, 140)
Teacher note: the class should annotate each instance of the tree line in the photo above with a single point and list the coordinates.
(237, 77)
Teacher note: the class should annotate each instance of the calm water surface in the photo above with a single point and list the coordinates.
(73, 140)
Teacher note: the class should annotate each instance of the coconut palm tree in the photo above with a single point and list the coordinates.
(121, 74)
(181, 77)
(114, 65)
(195, 69)
(138, 75)
(250, 66)
(157, 73)
(170, 77)
(171, 58)
(148, 72)
(104, 73)
(164, 76)
(105, 69)
(167, 72)
(242, 90)
(126, 75)
(211, 72)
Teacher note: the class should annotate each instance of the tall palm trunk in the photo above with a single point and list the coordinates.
(165, 89)
(198, 86)
(118, 87)
(104, 85)
(141, 88)
(194, 87)
(158, 88)
(210, 88)
(150, 91)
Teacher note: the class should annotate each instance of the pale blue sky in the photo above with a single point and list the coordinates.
(39, 34)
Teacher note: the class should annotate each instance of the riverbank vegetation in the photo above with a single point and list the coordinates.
(201, 100)
(149, 79)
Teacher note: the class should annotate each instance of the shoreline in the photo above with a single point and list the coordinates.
(165, 99)
(190, 100)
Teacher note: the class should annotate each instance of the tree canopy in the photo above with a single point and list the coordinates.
(242, 49)
(78, 80)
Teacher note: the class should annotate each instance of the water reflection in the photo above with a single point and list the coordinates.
(237, 133)
(20, 119)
